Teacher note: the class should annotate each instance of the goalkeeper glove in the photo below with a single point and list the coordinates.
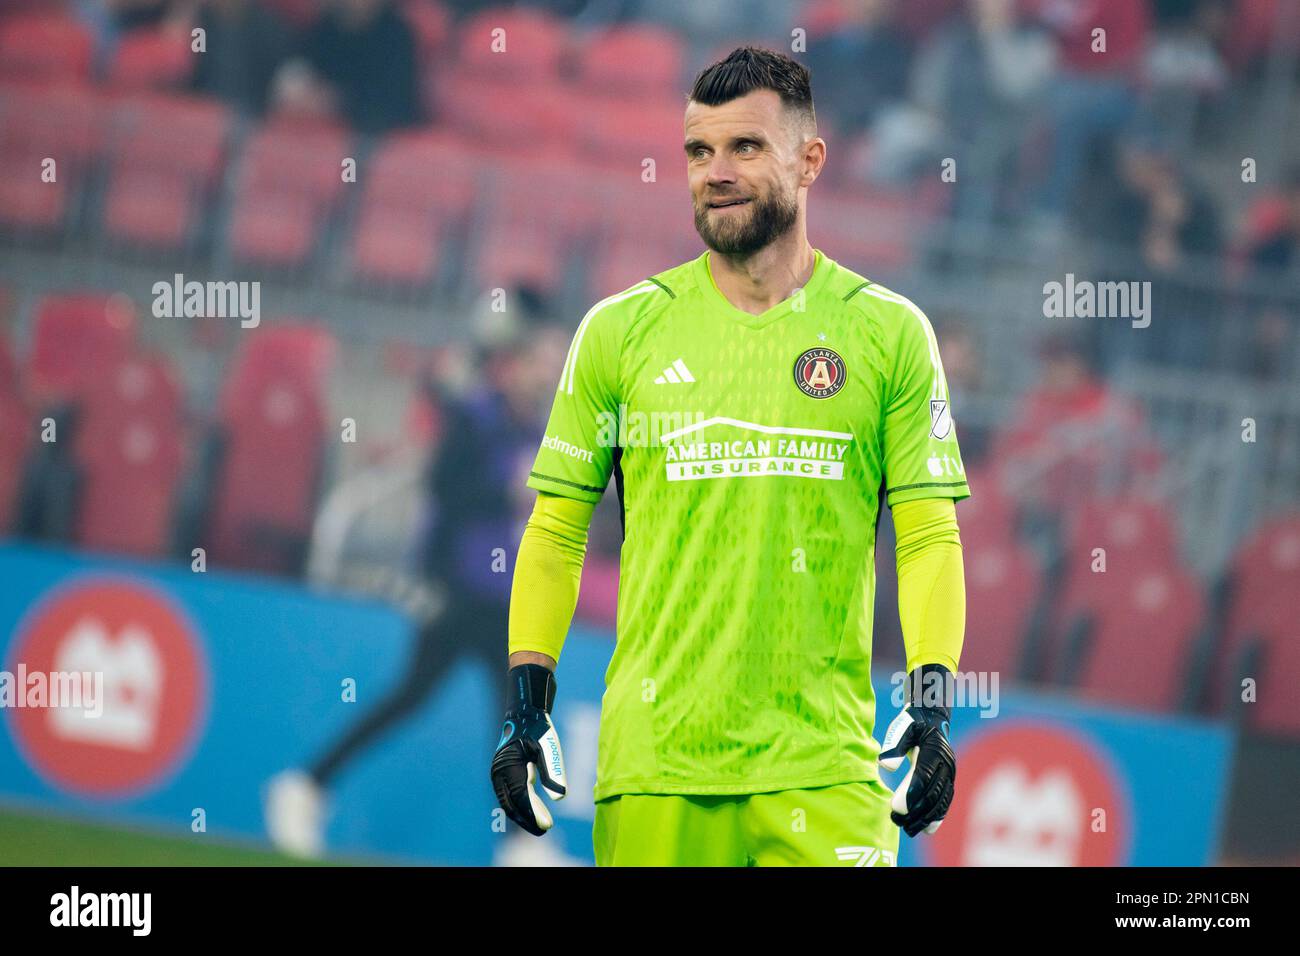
(920, 732)
(529, 748)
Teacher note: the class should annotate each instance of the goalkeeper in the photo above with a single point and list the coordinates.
(755, 407)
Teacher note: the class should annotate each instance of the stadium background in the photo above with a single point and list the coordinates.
(418, 187)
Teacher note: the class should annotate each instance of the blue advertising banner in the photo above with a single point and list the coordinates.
(213, 683)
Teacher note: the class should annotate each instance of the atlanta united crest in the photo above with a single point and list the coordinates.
(819, 373)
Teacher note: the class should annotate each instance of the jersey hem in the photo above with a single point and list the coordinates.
(564, 488)
(650, 785)
(956, 491)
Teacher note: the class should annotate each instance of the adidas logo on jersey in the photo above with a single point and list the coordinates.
(675, 374)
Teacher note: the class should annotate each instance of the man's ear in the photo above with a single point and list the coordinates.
(814, 158)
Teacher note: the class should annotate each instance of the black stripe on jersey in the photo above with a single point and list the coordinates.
(857, 289)
(618, 485)
(928, 484)
(664, 287)
(562, 481)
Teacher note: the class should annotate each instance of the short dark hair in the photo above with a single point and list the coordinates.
(750, 68)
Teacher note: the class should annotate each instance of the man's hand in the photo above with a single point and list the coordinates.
(529, 750)
(920, 733)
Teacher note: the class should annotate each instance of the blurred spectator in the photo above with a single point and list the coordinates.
(247, 42)
(360, 63)
(1272, 249)
(479, 503)
(963, 367)
(863, 62)
(1153, 223)
(1074, 437)
(1183, 65)
(1101, 43)
(973, 86)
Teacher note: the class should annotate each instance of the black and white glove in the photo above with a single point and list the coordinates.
(920, 733)
(529, 750)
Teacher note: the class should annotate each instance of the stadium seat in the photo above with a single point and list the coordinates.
(153, 58)
(537, 208)
(635, 60)
(1136, 649)
(269, 469)
(1262, 631)
(45, 46)
(867, 230)
(629, 131)
(1137, 534)
(536, 43)
(431, 23)
(1139, 541)
(416, 186)
(393, 244)
(290, 182)
(129, 449)
(16, 434)
(1003, 583)
(506, 111)
(617, 265)
(165, 160)
(989, 515)
(40, 122)
(77, 338)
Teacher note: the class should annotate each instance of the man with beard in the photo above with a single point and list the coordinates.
(798, 395)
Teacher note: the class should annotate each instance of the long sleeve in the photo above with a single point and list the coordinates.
(548, 572)
(931, 584)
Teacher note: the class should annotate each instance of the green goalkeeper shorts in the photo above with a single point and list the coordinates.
(843, 825)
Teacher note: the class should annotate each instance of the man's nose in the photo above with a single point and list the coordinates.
(721, 171)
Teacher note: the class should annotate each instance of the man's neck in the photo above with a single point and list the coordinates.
(766, 278)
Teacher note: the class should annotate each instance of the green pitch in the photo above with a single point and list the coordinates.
(29, 839)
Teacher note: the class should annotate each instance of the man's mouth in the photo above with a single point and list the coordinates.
(727, 203)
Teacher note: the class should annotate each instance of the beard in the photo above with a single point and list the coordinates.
(767, 218)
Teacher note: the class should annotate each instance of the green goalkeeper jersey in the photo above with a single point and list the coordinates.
(750, 453)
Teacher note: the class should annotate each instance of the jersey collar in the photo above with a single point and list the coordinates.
(821, 270)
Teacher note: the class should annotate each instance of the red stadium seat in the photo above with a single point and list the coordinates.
(1139, 540)
(988, 516)
(152, 58)
(45, 46)
(636, 59)
(1262, 638)
(536, 43)
(129, 448)
(16, 435)
(431, 168)
(631, 131)
(506, 111)
(289, 186)
(1003, 581)
(416, 184)
(78, 337)
(618, 265)
(1137, 533)
(431, 22)
(166, 157)
(39, 122)
(866, 230)
(273, 420)
(1138, 648)
(396, 244)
